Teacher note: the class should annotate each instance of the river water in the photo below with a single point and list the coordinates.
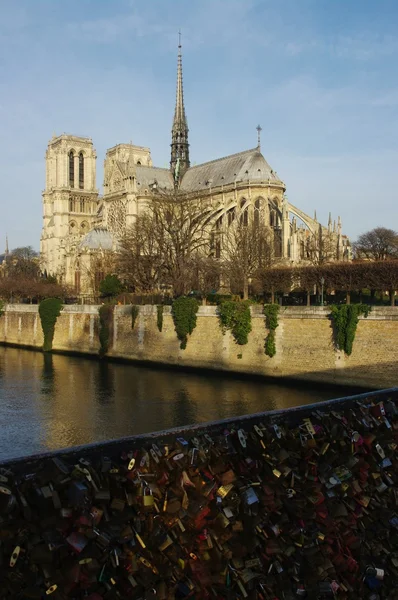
(53, 401)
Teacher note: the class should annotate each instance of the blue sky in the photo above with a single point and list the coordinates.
(320, 76)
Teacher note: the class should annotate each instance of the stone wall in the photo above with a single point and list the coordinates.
(304, 342)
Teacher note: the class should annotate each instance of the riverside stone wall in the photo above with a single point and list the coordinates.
(304, 342)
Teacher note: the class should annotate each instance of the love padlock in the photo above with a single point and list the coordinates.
(148, 499)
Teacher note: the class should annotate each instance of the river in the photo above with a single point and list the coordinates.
(49, 402)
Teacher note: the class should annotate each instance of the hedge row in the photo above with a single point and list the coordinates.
(346, 277)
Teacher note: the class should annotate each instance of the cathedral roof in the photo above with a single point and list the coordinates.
(146, 176)
(97, 239)
(248, 165)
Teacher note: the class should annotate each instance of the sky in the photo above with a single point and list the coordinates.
(319, 76)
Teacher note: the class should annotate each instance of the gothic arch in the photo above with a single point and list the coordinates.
(72, 227)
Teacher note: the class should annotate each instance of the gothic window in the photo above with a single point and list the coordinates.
(71, 169)
(256, 215)
(244, 218)
(272, 218)
(81, 170)
(82, 205)
(231, 216)
(70, 205)
(77, 282)
(72, 228)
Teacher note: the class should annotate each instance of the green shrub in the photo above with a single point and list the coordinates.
(135, 311)
(49, 311)
(105, 327)
(159, 309)
(271, 321)
(236, 316)
(110, 287)
(184, 316)
(1, 308)
(345, 321)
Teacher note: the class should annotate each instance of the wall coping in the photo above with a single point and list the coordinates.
(288, 312)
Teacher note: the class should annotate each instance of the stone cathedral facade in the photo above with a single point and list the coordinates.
(79, 225)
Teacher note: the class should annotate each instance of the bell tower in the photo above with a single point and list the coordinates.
(70, 198)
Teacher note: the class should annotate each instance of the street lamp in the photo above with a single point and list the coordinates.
(322, 284)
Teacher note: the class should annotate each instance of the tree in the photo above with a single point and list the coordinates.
(307, 279)
(23, 262)
(384, 276)
(378, 244)
(110, 287)
(321, 246)
(248, 248)
(164, 244)
(278, 279)
(100, 264)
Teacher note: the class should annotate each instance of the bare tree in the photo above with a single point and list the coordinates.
(378, 244)
(164, 244)
(248, 248)
(274, 280)
(321, 246)
(100, 264)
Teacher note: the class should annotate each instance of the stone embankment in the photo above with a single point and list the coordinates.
(297, 503)
(305, 348)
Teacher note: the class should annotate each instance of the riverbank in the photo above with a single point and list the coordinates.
(305, 348)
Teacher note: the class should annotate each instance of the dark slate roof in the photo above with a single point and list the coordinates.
(146, 176)
(96, 239)
(248, 165)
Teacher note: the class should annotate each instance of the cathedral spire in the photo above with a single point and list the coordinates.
(6, 250)
(179, 134)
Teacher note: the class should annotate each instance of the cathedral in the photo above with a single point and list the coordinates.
(79, 224)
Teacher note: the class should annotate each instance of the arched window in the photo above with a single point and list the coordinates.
(244, 218)
(256, 215)
(82, 205)
(231, 216)
(71, 169)
(70, 205)
(81, 170)
(72, 227)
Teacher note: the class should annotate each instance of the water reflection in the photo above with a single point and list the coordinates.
(54, 401)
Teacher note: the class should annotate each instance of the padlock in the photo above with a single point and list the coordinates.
(148, 499)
